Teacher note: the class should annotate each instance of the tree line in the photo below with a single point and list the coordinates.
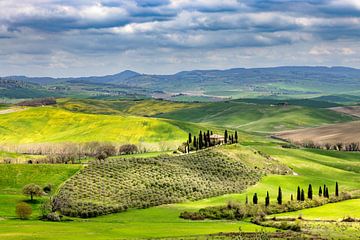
(300, 194)
(206, 139)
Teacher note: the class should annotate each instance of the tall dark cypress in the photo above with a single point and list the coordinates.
(208, 138)
(298, 197)
(327, 192)
(302, 197)
(255, 199)
(195, 142)
(320, 191)
(200, 140)
(292, 197)
(310, 192)
(226, 136)
(190, 138)
(267, 199)
(337, 189)
(279, 197)
(205, 140)
(236, 137)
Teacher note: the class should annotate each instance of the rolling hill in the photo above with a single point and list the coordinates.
(50, 124)
(257, 117)
(284, 82)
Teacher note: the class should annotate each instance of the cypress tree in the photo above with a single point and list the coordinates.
(195, 142)
(255, 198)
(302, 198)
(190, 139)
(337, 189)
(205, 141)
(267, 199)
(200, 140)
(327, 192)
(232, 138)
(292, 197)
(247, 200)
(298, 194)
(236, 137)
(208, 138)
(310, 192)
(225, 136)
(279, 197)
(320, 191)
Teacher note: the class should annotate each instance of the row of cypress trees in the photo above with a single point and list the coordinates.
(203, 140)
(300, 196)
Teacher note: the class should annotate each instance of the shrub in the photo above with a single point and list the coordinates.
(23, 210)
(47, 188)
(128, 149)
(53, 216)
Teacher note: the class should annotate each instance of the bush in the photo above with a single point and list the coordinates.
(48, 188)
(128, 149)
(23, 210)
(53, 216)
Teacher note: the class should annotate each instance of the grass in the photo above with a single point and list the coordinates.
(146, 107)
(332, 211)
(48, 124)
(15, 176)
(257, 117)
(163, 221)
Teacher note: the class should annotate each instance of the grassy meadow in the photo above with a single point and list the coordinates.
(49, 124)
(257, 117)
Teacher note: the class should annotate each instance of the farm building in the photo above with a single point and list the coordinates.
(217, 139)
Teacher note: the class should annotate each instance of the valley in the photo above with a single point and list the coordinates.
(142, 195)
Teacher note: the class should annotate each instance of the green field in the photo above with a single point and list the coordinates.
(119, 122)
(331, 211)
(257, 117)
(15, 176)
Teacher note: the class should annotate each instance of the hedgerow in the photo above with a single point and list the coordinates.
(114, 185)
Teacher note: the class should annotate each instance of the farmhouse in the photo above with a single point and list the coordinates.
(216, 139)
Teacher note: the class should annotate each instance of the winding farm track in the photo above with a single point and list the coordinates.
(11, 110)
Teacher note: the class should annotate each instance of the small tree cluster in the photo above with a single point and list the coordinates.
(340, 146)
(203, 140)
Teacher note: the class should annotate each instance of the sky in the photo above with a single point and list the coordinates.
(85, 37)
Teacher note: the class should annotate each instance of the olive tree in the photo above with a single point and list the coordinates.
(32, 190)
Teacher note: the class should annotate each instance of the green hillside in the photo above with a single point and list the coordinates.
(146, 107)
(48, 124)
(141, 183)
(15, 176)
(257, 117)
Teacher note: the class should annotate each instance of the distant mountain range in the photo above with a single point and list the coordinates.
(236, 82)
